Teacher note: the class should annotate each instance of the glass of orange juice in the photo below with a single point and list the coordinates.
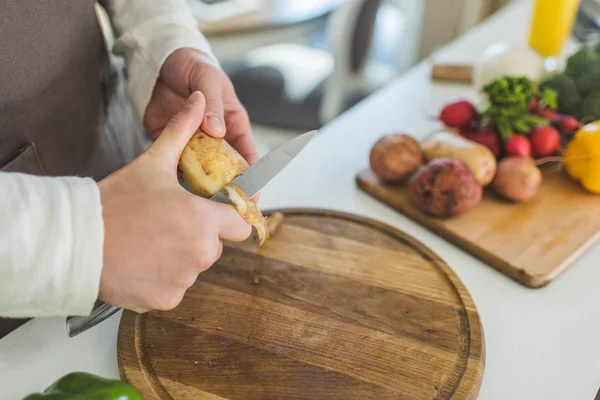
(551, 25)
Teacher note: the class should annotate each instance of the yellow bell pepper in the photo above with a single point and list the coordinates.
(582, 157)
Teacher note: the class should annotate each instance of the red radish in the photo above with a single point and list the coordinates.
(458, 113)
(566, 123)
(487, 137)
(473, 125)
(546, 113)
(545, 140)
(533, 104)
(518, 145)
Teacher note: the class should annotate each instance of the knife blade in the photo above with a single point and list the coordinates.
(251, 182)
(262, 172)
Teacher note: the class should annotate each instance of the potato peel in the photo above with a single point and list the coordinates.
(249, 211)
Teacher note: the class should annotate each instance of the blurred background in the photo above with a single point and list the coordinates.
(297, 64)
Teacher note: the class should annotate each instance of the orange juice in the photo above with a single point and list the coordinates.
(551, 25)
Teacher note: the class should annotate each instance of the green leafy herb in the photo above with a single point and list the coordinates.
(509, 98)
(549, 97)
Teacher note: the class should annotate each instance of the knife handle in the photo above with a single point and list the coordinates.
(101, 310)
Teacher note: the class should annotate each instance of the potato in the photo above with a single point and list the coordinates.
(208, 165)
(444, 188)
(395, 157)
(478, 158)
(518, 179)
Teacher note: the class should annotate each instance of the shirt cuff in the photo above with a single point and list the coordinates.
(51, 246)
(88, 246)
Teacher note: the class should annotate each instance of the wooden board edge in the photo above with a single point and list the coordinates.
(122, 350)
(471, 379)
(533, 281)
(476, 367)
(128, 327)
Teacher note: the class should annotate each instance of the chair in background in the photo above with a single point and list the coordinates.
(296, 87)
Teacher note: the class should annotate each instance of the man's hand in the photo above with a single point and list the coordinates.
(158, 237)
(185, 71)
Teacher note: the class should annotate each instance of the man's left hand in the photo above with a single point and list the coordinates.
(188, 70)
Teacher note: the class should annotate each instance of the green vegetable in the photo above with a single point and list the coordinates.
(584, 68)
(85, 386)
(588, 81)
(508, 109)
(578, 85)
(569, 100)
(581, 61)
(548, 97)
(591, 106)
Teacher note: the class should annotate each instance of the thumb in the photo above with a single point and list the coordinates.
(179, 130)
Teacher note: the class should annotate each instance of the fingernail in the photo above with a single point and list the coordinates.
(193, 98)
(216, 123)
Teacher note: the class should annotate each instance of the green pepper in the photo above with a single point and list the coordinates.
(82, 385)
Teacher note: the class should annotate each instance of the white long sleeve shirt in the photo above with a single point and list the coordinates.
(51, 228)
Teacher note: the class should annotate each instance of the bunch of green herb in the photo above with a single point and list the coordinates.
(509, 98)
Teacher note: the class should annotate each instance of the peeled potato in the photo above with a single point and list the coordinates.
(208, 165)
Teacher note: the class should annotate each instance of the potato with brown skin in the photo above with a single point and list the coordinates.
(208, 165)
(444, 188)
(518, 179)
(447, 144)
(395, 157)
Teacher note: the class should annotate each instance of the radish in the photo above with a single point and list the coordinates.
(545, 140)
(566, 123)
(533, 104)
(458, 113)
(473, 125)
(546, 113)
(485, 136)
(518, 145)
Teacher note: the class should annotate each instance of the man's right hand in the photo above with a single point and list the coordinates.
(157, 236)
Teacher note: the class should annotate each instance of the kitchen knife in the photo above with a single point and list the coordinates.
(251, 182)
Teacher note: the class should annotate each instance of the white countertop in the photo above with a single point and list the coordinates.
(540, 343)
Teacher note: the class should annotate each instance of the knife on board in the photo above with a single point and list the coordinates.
(250, 181)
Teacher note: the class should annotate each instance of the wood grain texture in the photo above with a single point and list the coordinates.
(334, 306)
(531, 242)
(457, 73)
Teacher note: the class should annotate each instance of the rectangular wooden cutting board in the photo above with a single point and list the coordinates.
(531, 242)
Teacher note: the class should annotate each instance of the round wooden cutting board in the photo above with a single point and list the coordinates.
(334, 306)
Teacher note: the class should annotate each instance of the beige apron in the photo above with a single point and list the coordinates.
(63, 109)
